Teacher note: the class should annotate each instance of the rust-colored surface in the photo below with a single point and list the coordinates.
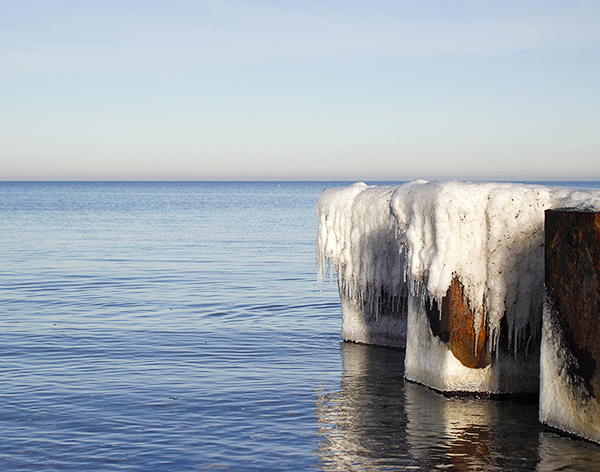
(454, 324)
(458, 318)
(572, 269)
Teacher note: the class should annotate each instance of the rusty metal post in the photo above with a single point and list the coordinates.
(570, 355)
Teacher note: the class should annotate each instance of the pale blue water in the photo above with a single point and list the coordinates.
(178, 327)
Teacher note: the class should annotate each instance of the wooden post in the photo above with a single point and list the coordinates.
(570, 352)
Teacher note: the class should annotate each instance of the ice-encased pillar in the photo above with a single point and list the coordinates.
(475, 269)
(354, 236)
(570, 351)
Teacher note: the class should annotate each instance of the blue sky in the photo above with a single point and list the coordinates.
(357, 90)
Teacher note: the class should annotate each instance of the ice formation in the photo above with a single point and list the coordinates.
(356, 239)
(487, 236)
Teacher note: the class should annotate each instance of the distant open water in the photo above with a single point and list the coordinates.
(179, 327)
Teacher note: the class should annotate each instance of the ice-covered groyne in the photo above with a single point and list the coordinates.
(355, 238)
(464, 265)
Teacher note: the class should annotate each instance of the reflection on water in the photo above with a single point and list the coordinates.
(364, 424)
(559, 452)
(377, 421)
(467, 433)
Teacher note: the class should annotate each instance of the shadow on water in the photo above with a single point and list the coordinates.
(377, 421)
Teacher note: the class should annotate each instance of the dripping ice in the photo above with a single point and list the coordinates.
(417, 236)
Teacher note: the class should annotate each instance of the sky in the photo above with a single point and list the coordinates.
(299, 90)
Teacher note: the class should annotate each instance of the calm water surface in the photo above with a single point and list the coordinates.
(178, 327)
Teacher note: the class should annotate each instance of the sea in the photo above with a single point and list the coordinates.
(179, 326)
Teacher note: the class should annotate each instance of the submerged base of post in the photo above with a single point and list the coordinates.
(570, 352)
(382, 323)
(445, 353)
